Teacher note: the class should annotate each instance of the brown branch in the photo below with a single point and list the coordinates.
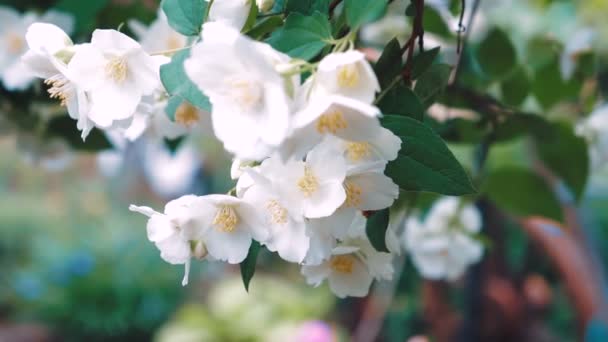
(417, 34)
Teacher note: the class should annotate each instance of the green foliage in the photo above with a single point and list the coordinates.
(248, 265)
(566, 155)
(521, 192)
(302, 36)
(265, 27)
(84, 11)
(516, 87)
(424, 163)
(65, 128)
(496, 54)
(388, 67)
(520, 124)
(432, 83)
(434, 23)
(307, 7)
(423, 61)
(178, 84)
(401, 100)
(185, 16)
(549, 87)
(376, 227)
(359, 12)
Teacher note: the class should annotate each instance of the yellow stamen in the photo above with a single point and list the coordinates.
(277, 212)
(246, 94)
(226, 219)
(342, 263)
(58, 89)
(331, 122)
(348, 76)
(308, 184)
(355, 151)
(186, 114)
(353, 194)
(117, 69)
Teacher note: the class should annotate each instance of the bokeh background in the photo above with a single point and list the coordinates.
(75, 264)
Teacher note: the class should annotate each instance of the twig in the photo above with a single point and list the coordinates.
(462, 40)
(410, 45)
(461, 28)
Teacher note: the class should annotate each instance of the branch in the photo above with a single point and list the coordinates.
(410, 45)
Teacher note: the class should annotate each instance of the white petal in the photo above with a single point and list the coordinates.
(47, 38)
(378, 190)
(325, 200)
(231, 247)
(315, 274)
(174, 250)
(355, 284)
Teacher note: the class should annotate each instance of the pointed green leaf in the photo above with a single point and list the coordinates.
(376, 227)
(302, 36)
(432, 83)
(185, 16)
(359, 12)
(177, 83)
(496, 54)
(389, 64)
(423, 61)
(248, 265)
(402, 100)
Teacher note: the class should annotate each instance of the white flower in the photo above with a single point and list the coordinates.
(335, 115)
(251, 104)
(594, 129)
(13, 27)
(230, 225)
(384, 147)
(116, 73)
(580, 42)
(265, 5)
(443, 247)
(50, 49)
(287, 232)
(348, 74)
(313, 188)
(352, 265)
(159, 36)
(230, 12)
(174, 231)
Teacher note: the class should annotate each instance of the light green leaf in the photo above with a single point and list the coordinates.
(496, 54)
(185, 16)
(424, 163)
(522, 193)
(359, 12)
(248, 265)
(376, 227)
(177, 83)
(432, 83)
(302, 36)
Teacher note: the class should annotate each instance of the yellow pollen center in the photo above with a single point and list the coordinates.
(308, 184)
(174, 42)
(57, 89)
(246, 94)
(342, 263)
(226, 219)
(278, 214)
(186, 114)
(117, 69)
(348, 76)
(15, 43)
(353, 194)
(355, 151)
(331, 122)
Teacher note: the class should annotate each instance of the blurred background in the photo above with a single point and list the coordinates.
(75, 264)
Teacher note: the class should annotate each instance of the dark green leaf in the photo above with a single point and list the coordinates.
(515, 87)
(519, 124)
(359, 12)
(251, 18)
(523, 193)
(265, 26)
(83, 11)
(302, 36)
(173, 144)
(496, 54)
(432, 83)
(389, 64)
(402, 100)
(177, 83)
(566, 155)
(375, 229)
(549, 88)
(433, 22)
(65, 128)
(424, 163)
(248, 265)
(185, 16)
(307, 7)
(423, 61)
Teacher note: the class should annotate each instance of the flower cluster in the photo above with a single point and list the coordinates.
(309, 154)
(444, 245)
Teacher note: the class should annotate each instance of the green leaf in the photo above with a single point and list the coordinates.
(248, 265)
(375, 229)
(389, 64)
(515, 87)
(84, 11)
(359, 12)
(402, 100)
(177, 83)
(496, 54)
(64, 127)
(522, 193)
(307, 7)
(424, 163)
(432, 83)
(252, 17)
(433, 22)
(423, 61)
(185, 16)
(566, 155)
(519, 124)
(302, 36)
(264, 27)
(549, 88)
